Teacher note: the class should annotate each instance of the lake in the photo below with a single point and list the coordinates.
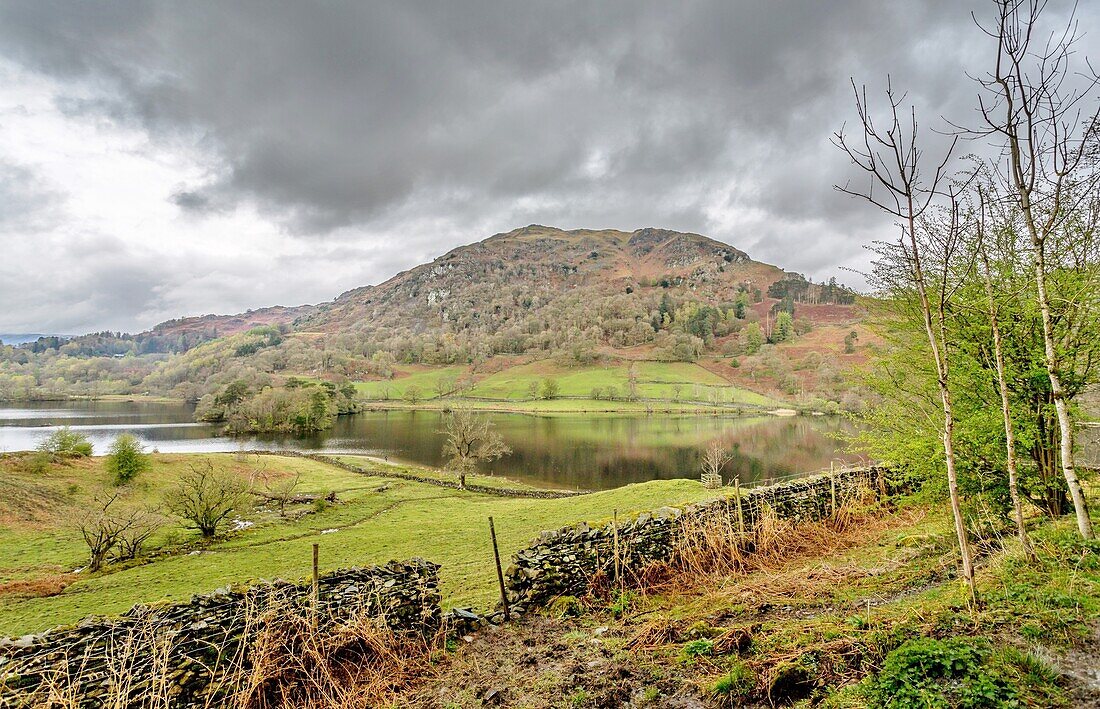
(579, 451)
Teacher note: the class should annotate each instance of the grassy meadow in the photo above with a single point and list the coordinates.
(376, 519)
(678, 385)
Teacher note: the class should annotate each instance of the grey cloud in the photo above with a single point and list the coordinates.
(340, 119)
(27, 203)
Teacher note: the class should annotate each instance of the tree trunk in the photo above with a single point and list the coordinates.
(1038, 246)
(940, 357)
(1006, 413)
(1069, 471)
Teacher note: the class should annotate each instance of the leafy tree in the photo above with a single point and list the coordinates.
(550, 389)
(412, 394)
(65, 443)
(126, 459)
(235, 392)
(753, 338)
(784, 327)
(741, 305)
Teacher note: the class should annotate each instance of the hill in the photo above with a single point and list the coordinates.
(590, 302)
(512, 287)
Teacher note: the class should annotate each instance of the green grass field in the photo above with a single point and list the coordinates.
(676, 384)
(40, 545)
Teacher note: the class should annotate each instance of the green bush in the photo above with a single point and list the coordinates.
(550, 389)
(38, 463)
(697, 648)
(126, 459)
(65, 442)
(926, 672)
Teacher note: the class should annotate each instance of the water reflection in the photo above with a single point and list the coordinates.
(589, 451)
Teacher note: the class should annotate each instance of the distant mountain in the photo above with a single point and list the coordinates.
(222, 325)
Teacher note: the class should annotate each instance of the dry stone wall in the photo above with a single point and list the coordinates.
(186, 652)
(452, 484)
(562, 562)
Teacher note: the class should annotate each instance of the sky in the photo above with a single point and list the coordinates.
(162, 159)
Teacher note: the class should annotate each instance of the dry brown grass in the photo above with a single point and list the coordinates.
(287, 663)
(294, 665)
(40, 587)
(711, 550)
(655, 633)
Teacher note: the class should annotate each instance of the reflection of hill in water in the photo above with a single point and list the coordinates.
(593, 451)
(609, 452)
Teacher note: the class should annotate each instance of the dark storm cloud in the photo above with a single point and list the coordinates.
(349, 117)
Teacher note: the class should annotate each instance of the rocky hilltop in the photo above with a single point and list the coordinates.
(506, 279)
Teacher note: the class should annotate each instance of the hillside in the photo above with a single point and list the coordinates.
(517, 285)
(214, 326)
(588, 300)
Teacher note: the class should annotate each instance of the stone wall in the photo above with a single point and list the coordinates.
(562, 562)
(185, 651)
(389, 472)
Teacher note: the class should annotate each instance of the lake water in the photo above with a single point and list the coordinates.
(593, 451)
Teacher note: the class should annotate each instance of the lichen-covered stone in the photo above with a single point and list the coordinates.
(561, 562)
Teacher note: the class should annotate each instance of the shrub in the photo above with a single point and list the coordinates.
(926, 672)
(550, 389)
(65, 442)
(703, 647)
(37, 463)
(126, 459)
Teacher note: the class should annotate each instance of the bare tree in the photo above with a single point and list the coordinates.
(206, 497)
(109, 526)
(140, 526)
(445, 386)
(282, 491)
(714, 460)
(274, 487)
(891, 157)
(101, 528)
(470, 439)
(1030, 104)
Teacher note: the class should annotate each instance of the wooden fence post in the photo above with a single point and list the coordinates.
(832, 483)
(740, 514)
(316, 587)
(500, 574)
(615, 542)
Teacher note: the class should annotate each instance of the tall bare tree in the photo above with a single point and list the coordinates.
(892, 158)
(1035, 104)
(470, 438)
